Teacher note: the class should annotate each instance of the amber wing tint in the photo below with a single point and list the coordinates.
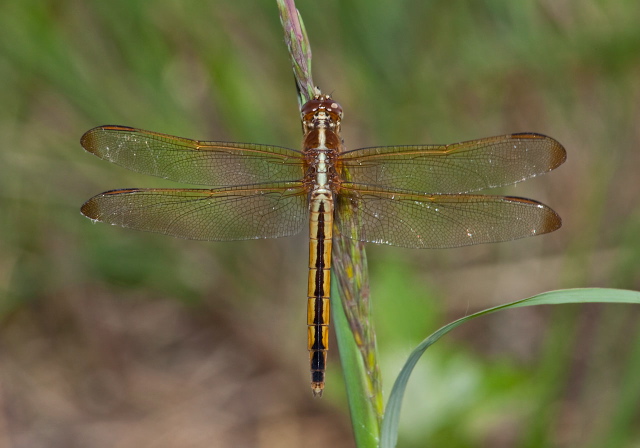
(456, 168)
(213, 164)
(224, 214)
(438, 221)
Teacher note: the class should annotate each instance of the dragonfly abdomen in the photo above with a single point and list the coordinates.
(320, 239)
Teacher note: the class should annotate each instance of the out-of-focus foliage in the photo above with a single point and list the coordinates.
(111, 337)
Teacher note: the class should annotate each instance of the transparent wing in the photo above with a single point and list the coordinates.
(204, 163)
(456, 168)
(440, 221)
(219, 214)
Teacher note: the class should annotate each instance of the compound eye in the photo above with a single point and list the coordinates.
(310, 108)
(335, 109)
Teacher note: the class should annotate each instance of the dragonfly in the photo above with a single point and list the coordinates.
(418, 196)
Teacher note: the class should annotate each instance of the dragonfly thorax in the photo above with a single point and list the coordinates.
(322, 142)
(321, 165)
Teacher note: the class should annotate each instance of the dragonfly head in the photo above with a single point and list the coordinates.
(322, 110)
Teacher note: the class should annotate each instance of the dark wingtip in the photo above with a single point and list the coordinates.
(558, 152)
(88, 139)
(550, 223)
(89, 210)
(554, 222)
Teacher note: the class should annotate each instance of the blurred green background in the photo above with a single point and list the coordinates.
(116, 338)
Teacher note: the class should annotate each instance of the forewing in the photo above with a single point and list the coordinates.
(456, 168)
(218, 214)
(191, 161)
(440, 221)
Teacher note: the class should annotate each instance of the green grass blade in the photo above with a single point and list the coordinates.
(364, 418)
(389, 434)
